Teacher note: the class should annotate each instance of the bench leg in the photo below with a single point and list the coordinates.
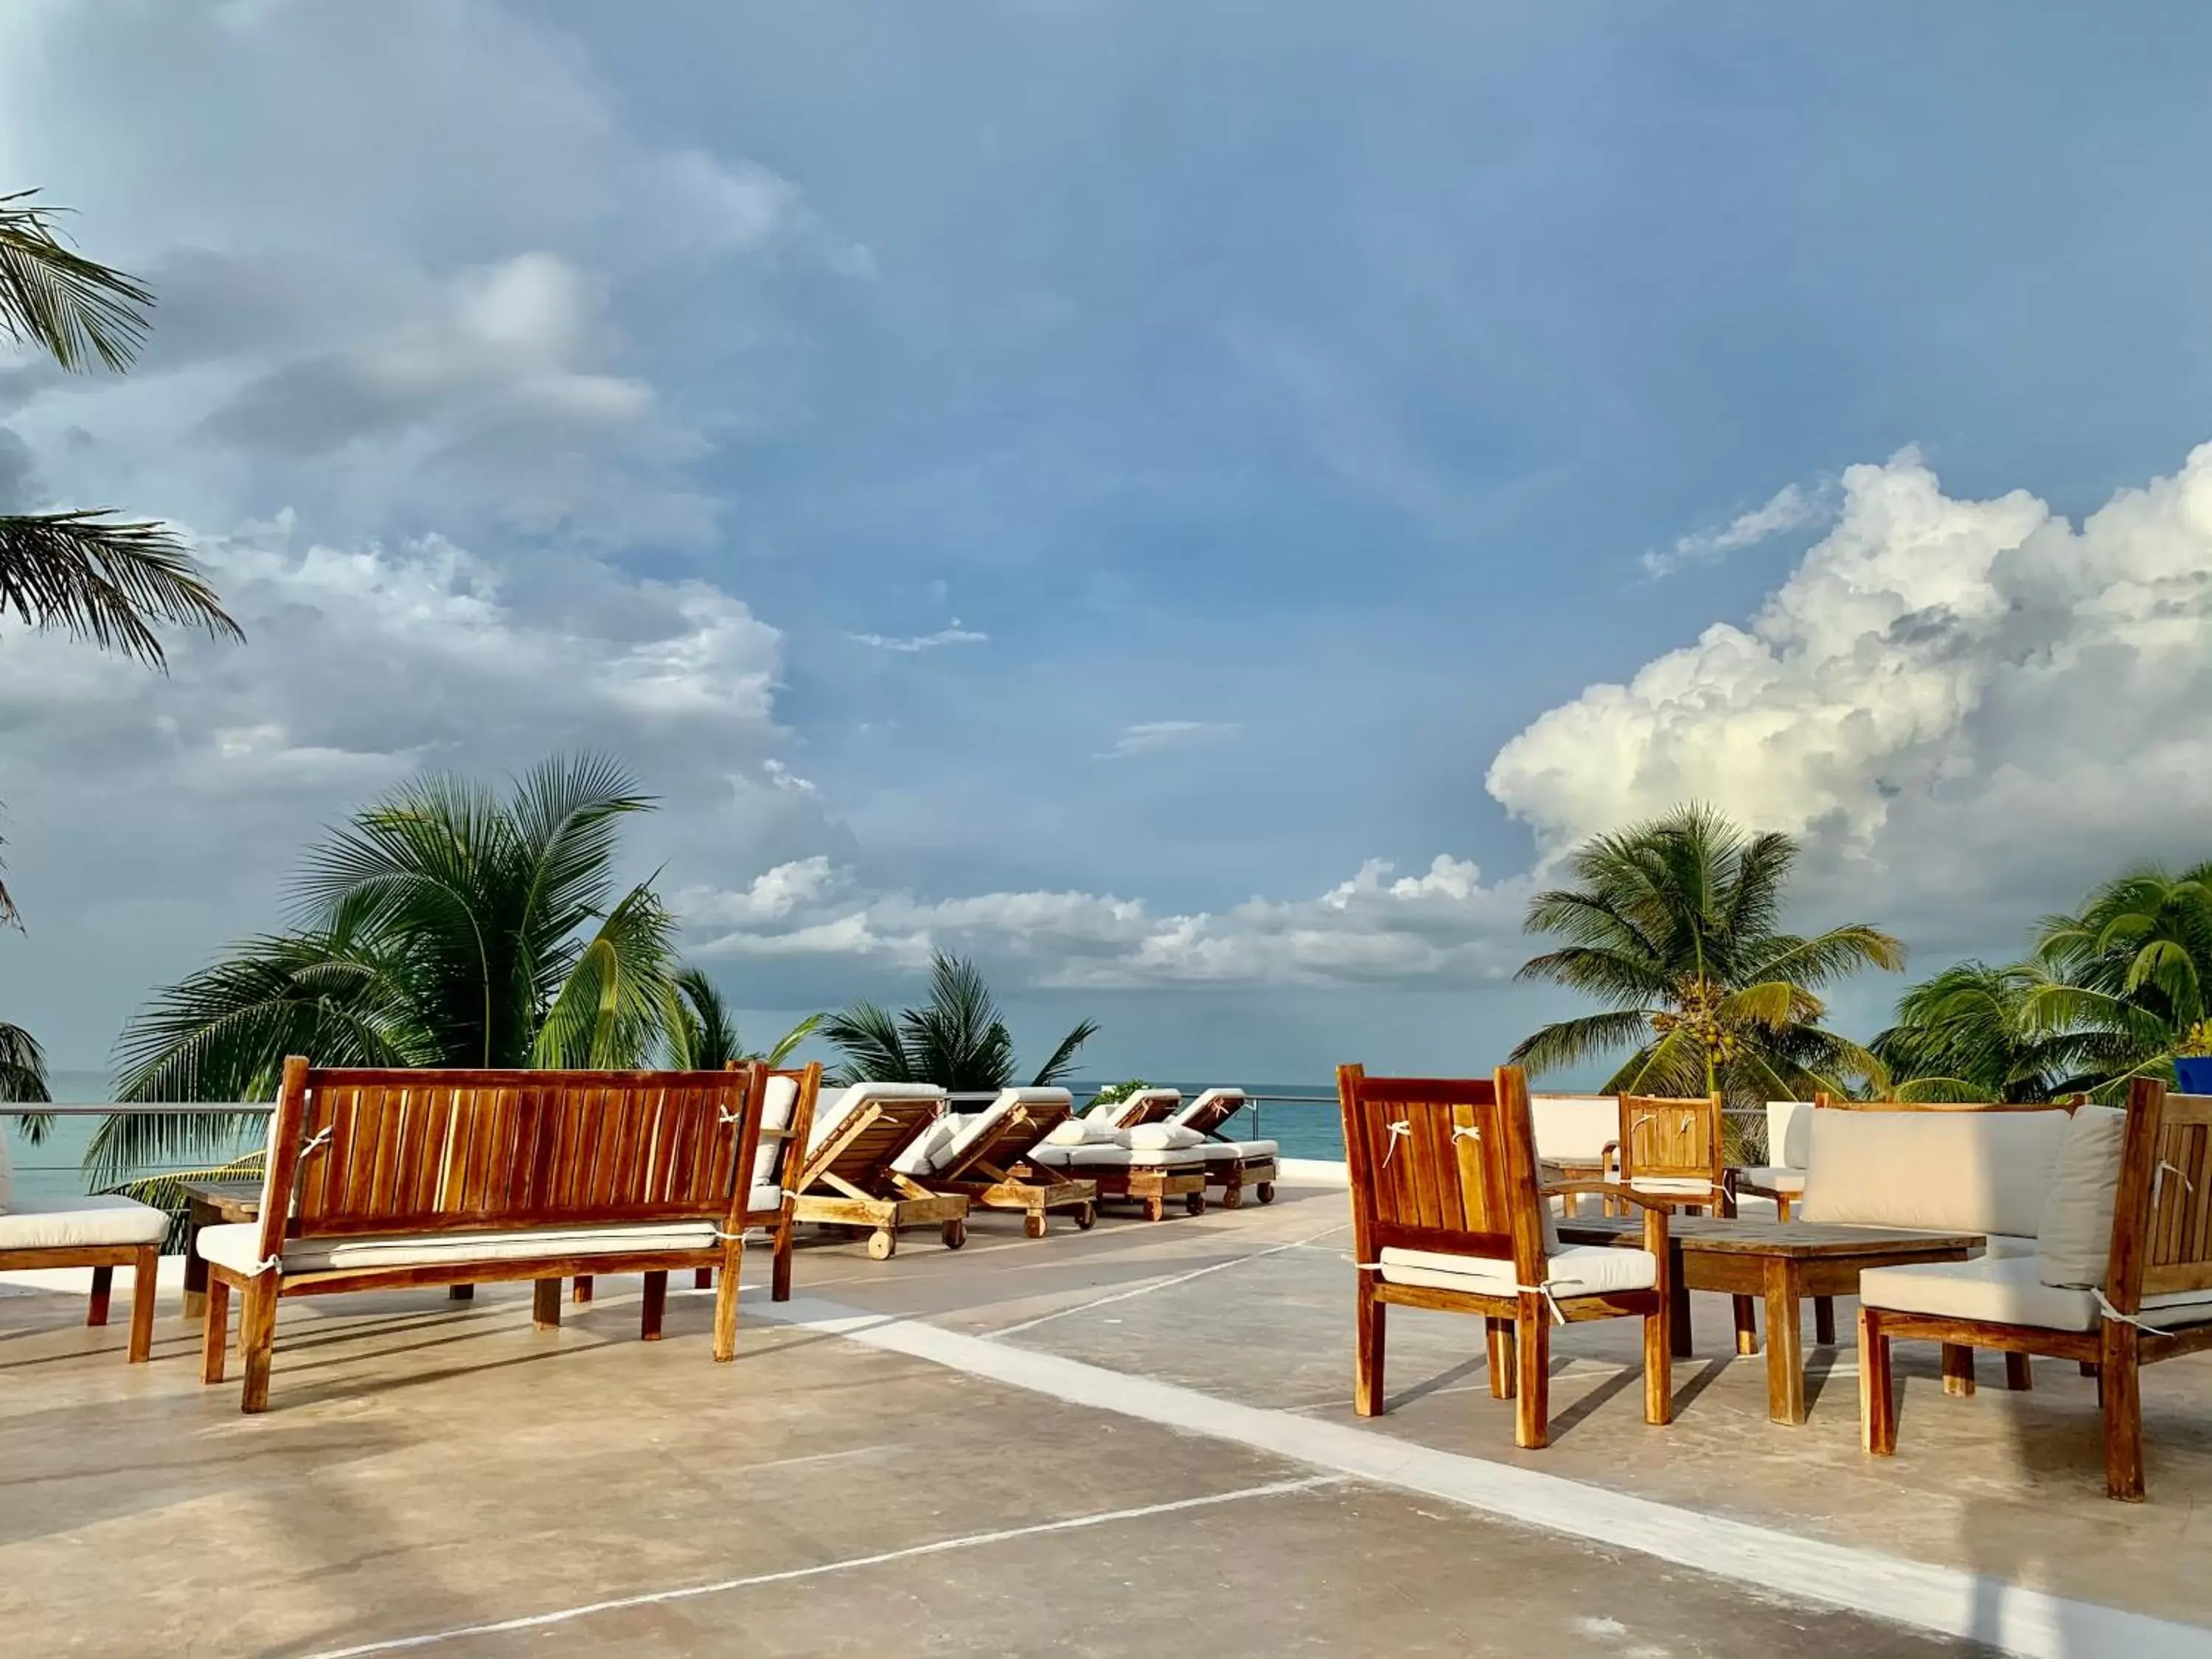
(214, 1340)
(2018, 1378)
(726, 1300)
(702, 1279)
(460, 1293)
(1958, 1370)
(583, 1290)
(103, 1286)
(1877, 1389)
(1532, 1382)
(257, 1335)
(1499, 1335)
(545, 1305)
(656, 1305)
(142, 1279)
(780, 1274)
(1370, 1328)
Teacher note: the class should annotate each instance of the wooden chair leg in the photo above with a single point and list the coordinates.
(144, 1277)
(2119, 1387)
(1824, 1321)
(1782, 1208)
(1532, 1375)
(780, 1272)
(1877, 1389)
(582, 1292)
(656, 1306)
(460, 1293)
(1658, 1368)
(2089, 1368)
(1746, 1325)
(257, 1320)
(2018, 1376)
(1367, 1350)
(1958, 1370)
(545, 1305)
(103, 1288)
(726, 1300)
(702, 1279)
(1502, 1361)
(214, 1340)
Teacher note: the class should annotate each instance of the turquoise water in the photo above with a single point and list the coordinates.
(1307, 1126)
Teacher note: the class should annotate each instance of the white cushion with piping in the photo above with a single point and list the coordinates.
(1941, 1171)
(53, 1224)
(2074, 1242)
(1575, 1270)
(236, 1246)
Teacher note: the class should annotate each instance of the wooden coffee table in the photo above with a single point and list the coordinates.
(1783, 1262)
(211, 1204)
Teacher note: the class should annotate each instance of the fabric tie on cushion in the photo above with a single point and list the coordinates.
(1544, 1290)
(2136, 1319)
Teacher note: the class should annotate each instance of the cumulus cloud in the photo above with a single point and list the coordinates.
(1790, 508)
(1151, 737)
(955, 635)
(1441, 926)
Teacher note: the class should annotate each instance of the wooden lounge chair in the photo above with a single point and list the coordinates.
(1231, 1166)
(2121, 1277)
(846, 1178)
(985, 1158)
(102, 1232)
(389, 1179)
(1447, 1214)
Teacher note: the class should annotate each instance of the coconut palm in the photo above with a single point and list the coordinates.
(955, 1040)
(442, 926)
(1972, 1033)
(704, 1036)
(1674, 927)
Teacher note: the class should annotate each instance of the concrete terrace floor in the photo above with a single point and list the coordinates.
(1127, 1441)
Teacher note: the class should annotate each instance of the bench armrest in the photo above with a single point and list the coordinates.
(1661, 1202)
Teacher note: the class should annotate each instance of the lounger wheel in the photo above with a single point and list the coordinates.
(1033, 1223)
(1267, 1190)
(955, 1233)
(1195, 1202)
(881, 1243)
(1233, 1198)
(1087, 1216)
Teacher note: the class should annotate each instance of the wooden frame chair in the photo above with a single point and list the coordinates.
(1671, 1149)
(2156, 1304)
(102, 1232)
(1447, 1214)
(987, 1161)
(846, 1179)
(389, 1179)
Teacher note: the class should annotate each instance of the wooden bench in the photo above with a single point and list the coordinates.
(392, 1179)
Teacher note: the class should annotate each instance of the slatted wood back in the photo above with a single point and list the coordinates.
(1671, 1140)
(1442, 1164)
(2162, 1236)
(1210, 1111)
(356, 1151)
(1016, 1136)
(860, 1149)
(1145, 1106)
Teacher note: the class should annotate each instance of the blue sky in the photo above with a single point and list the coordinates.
(1080, 483)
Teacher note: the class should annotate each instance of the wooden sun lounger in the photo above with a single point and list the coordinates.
(1231, 1166)
(848, 1181)
(995, 1173)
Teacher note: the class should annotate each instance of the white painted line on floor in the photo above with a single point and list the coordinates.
(723, 1586)
(1160, 1284)
(1947, 1600)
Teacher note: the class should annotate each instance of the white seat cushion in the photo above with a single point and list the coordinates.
(53, 1224)
(236, 1246)
(1574, 1270)
(1123, 1158)
(2008, 1291)
(1776, 1178)
(1224, 1150)
(1673, 1186)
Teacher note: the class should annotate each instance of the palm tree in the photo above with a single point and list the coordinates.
(1971, 1032)
(955, 1040)
(1672, 927)
(704, 1035)
(442, 926)
(2128, 977)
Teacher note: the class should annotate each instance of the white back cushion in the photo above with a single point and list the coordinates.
(1980, 1172)
(2074, 1245)
(779, 1100)
(1788, 1133)
(926, 1149)
(1575, 1128)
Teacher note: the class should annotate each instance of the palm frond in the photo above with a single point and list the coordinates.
(23, 1078)
(787, 1044)
(871, 1047)
(703, 1018)
(611, 1009)
(1570, 1041)
(71, 307)
(1061, 1061)
(107, 580)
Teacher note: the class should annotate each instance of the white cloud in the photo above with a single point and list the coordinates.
(1151, 737)
(955, 635)
(1790, 508)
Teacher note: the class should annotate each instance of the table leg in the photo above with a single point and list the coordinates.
(1824, 1321)
(1746, 1325)
(1785, 1358)
(1678, 1305)
(195, 1272)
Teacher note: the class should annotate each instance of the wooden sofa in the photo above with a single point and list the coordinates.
(2121, 1275)
(391, 1179)
(1447, 1214)
(102, 1232)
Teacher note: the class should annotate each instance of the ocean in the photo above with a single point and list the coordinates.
(1301, 1117)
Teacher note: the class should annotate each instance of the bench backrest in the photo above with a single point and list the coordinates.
(1672, 1142)
(2162, 1231)
(1443, 1164)
(355, 1151)
(1943, 1166)
(1576, 1128)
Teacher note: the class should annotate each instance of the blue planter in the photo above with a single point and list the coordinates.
(2194, 1073)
